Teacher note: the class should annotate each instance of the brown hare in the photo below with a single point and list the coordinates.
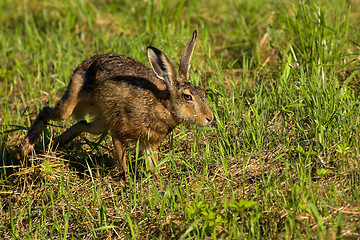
(129, 99)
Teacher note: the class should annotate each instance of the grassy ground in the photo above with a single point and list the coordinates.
(282, 160)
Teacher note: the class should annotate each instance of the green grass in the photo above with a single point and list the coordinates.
(281, 161)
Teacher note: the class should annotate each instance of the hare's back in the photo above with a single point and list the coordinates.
(115, 67)
(107, 66)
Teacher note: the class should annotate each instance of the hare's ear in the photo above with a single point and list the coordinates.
(162, 66)
(186, 57)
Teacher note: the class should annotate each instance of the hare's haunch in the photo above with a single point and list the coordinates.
(128, 98)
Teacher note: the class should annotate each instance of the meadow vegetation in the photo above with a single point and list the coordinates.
(281, 160)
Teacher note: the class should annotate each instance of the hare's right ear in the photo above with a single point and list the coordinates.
(162, 66)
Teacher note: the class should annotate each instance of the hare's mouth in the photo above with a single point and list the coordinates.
(203, 122)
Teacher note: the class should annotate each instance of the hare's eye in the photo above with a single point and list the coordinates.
(187, 97)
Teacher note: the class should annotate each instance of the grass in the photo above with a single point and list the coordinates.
(282, 160)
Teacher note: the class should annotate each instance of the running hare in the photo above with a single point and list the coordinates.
(129, 99)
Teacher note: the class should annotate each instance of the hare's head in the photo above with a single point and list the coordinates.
(187, 102)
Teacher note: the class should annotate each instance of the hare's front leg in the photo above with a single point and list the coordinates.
(120, 154)
(152, 156)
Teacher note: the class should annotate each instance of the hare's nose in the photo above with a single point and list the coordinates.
(208, 121)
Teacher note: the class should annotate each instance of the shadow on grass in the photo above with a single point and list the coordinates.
(81, 155)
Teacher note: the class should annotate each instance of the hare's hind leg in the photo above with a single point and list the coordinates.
(61, 111)
(98, 126)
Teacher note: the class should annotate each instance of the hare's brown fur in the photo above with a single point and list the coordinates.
(128, 98)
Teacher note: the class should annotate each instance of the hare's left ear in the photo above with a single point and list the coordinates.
(162, 66)
(186, 58)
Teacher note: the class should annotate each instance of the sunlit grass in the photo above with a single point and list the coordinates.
(281, 160)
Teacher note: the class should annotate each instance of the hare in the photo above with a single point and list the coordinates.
(128, 98)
